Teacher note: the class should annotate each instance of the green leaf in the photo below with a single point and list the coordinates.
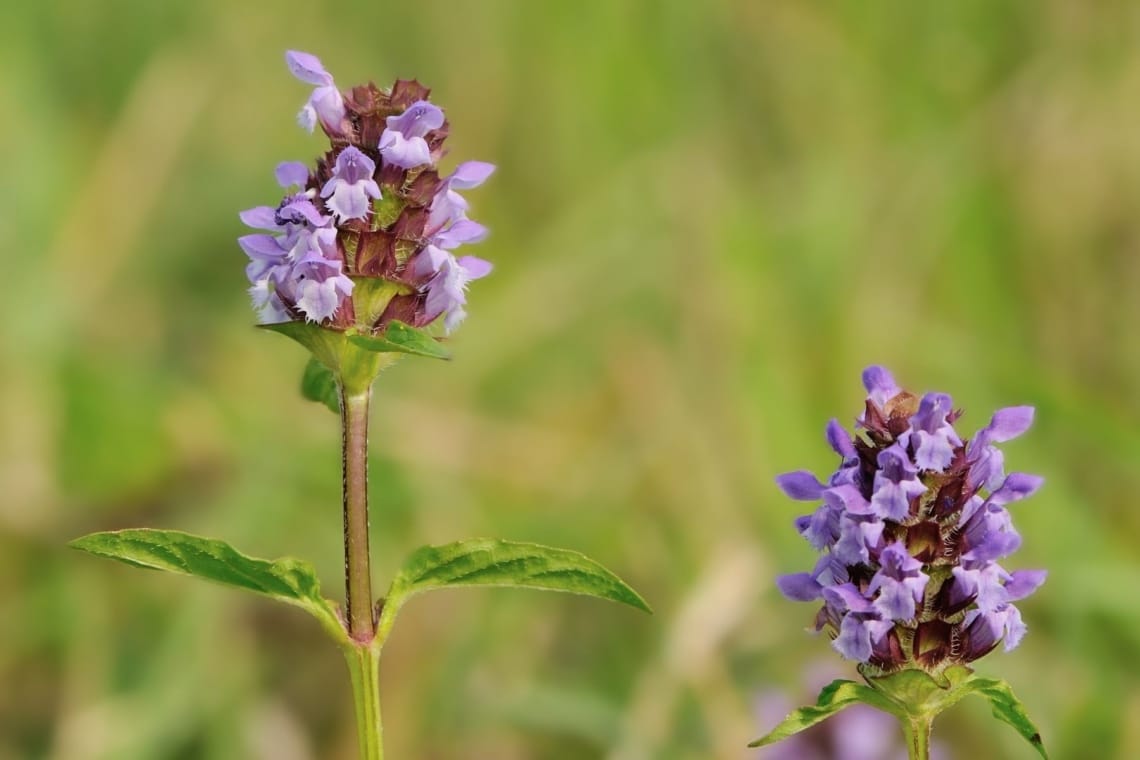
(402, 338)
(492, 562)
(1007, 708)
(834, 697)
(319, 384)
(287, 580)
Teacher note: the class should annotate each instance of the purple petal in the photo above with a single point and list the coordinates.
(846, 598)
(880, 384)
(406, 153)
(261, 246)
(839, 440)
(1022, 583)
(1008, 423)
(854, 639)
(895, 601)
(260, 218)
(1017, 486)
(849, 499)
(307, 68)
(474, 267)
(417, 120)
(470, 174)
(292, 173)
(799, 587)
(1014, 628)
(463, 231)
(800, 485)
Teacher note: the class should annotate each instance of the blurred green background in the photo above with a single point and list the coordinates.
(709, 216)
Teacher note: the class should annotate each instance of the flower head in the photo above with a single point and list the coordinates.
(373, 207)
(912, 525)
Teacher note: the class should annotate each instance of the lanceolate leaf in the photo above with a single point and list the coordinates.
(835, 696)
(491, 562)
(402, 338)
(1006, 708)
(288, 580)
(319, 384)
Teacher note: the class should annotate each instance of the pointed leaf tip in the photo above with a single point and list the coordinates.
(288, 580)
(1007, 708)
(493, 562)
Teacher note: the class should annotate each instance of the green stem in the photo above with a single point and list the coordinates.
(357, 569)
(917, 729)
(364, 667)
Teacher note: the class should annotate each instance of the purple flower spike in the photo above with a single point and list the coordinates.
(800, 485)
(909, 502)
(326, 103)
(351, 189)
(329, 231)
(402, 144)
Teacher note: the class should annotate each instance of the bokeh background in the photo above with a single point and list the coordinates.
(709, 216)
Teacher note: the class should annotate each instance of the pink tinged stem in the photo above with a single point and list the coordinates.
(357, 566)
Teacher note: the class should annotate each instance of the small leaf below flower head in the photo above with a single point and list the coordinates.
(493, 562)
(834, 697)
(1007, 708)
(319, 384)
(402, 338)
(287, 580)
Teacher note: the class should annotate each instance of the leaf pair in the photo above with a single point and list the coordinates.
(909, 693)
(477, 562)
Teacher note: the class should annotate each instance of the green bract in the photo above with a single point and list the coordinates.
(915, 698)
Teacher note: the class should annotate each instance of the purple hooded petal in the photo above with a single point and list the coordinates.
(351, 189)
(799, 587)
(880, 384)
(260, 218)
(849, 499)
(846, 597)
(470, 174)
(840, 440)
(261, 246)
(300, 210)
(459, 233)
(1017, 486)
(307, 68)
(1022, 583)
(1009, 423)
(475, 268)
(800, 485)
(291, 173)
(417, 119)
